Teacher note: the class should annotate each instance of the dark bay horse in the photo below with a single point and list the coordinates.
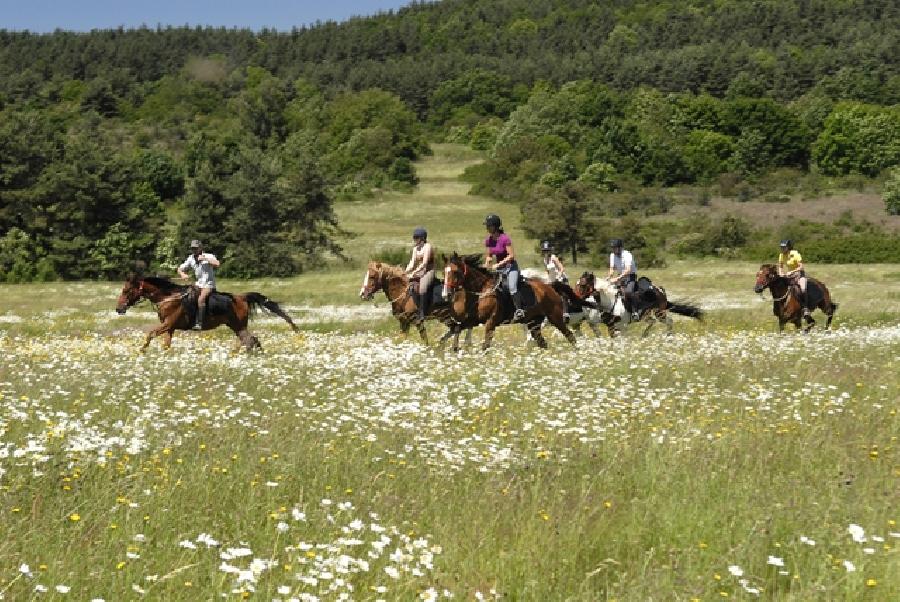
(652, 304)
(395, 284)
(785, 304)
(492, 310)
(176, 307)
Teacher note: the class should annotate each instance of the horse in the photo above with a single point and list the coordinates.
(652, 304)
(785, 302)
(494, 308)
(176, 305)
(395, 284)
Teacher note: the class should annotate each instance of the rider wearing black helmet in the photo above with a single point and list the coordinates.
(623, 272)
(420, 271)
(790, 265)
(501, 255)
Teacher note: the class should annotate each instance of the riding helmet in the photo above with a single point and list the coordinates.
(492, 221)
(616, 243)
(420, 233)
(546, 246)
(787, 242)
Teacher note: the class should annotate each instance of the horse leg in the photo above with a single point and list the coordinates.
(167, 339)
(651, 320)
(560, 324)
(668, 320)
(420, 325)
(534, 327)
(166, 326)
(489, 328)
(809, 323)
(468, 337)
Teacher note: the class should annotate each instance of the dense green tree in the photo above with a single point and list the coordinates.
(859, 138)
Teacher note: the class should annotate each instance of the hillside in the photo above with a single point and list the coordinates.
(783, 48)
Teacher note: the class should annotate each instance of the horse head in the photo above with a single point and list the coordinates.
(455, 271)
(371, 281)
(764, 277)
(132, 292)
(585, 285)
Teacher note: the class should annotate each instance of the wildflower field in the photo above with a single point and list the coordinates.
(345, 462)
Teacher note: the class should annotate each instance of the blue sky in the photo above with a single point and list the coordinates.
(84, 15)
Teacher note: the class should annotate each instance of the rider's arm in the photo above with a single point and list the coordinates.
(612, 269)
(510, 257)
(210, 259)
(559, 266)
(412, 262)
(182, 267)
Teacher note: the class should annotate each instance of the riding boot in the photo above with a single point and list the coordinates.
(417, 300)
(201, 315)
(565, 304)
(423, 306)
(802, 299)
(517, 301)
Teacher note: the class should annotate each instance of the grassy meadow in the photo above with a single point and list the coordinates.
(346, 462)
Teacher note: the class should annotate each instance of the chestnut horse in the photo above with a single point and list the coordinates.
(493, 310)
(176, 305)
(785, 304)
(395, 284)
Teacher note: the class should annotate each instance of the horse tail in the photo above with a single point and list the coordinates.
(258, 300)
(685, 309)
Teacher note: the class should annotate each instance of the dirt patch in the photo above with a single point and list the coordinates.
(868, 207)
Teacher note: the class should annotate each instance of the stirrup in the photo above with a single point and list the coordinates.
(197, 326)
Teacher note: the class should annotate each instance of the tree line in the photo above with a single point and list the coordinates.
(122, 144)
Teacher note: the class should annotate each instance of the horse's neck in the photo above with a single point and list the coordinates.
(477, 282)
(394, 287)
(155, 294)
(604, 297)
(779, 286)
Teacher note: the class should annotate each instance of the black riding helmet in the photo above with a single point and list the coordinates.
(420, 233)
(616, 243)
(492, 221)
(787, 243)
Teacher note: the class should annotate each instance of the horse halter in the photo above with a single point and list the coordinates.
(448, 272)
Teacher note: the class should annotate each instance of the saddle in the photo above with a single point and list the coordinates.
(435, 291)
(218, 303)
(526, 295)
(814, 293)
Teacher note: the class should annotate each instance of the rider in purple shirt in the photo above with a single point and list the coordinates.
(502, 257)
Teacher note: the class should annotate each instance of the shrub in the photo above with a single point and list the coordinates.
(891, 194)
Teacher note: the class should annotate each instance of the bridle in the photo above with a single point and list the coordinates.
(767, 285)
(370, 288)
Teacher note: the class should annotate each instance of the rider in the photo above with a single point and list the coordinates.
(421, 268)
(203, 264)
(556, 271)
(501, 256)
(790, 265)
(623, 273)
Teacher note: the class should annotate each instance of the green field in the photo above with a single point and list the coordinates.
(725, 461)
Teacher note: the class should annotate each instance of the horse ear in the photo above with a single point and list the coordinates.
(444, 257)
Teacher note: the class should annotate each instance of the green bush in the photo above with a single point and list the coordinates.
(891, 194)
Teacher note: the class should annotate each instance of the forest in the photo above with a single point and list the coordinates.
(123, 144)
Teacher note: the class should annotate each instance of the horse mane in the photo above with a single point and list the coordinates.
(163, 283)
(391, 271)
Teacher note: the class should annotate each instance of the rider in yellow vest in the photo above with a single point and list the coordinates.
(790, 265)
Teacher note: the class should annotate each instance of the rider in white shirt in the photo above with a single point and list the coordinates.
(623, 272)
(203, 265)
(556, 271)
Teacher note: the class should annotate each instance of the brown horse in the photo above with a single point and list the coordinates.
(176, 305)
(493, 309)
(786, 304)
(395, 284)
